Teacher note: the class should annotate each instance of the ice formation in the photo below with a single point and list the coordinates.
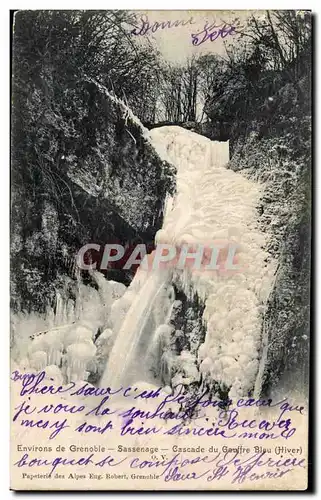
(69, 351)
(214, 203)
(211, 203)
(77, 358)
(54, 374)
(124, 362)
(38, 360)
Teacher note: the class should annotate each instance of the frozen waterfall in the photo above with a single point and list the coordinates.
(212, 203)
(117, 335)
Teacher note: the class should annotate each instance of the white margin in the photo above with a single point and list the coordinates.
(314, 5)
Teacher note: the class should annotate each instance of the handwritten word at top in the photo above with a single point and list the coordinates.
(212, 32)
(148, 27)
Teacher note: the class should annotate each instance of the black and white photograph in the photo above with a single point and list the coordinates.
(160, 249)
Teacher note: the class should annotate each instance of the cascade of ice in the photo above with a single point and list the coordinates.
(212, 203)
(125, 361)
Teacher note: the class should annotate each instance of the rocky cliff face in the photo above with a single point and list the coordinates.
(274, 148)
(83, 171)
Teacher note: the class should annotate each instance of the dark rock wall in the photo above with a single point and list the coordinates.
(83, 171)
(273, 146)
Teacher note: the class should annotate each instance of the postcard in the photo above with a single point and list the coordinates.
(160, 250)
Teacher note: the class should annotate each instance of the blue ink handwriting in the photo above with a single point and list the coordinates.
(212, 32)
(148, 27)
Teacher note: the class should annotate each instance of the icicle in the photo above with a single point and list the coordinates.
(38, 360)
(166, 367)
(77, 358)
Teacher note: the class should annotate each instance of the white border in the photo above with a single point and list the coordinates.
(315, 6)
